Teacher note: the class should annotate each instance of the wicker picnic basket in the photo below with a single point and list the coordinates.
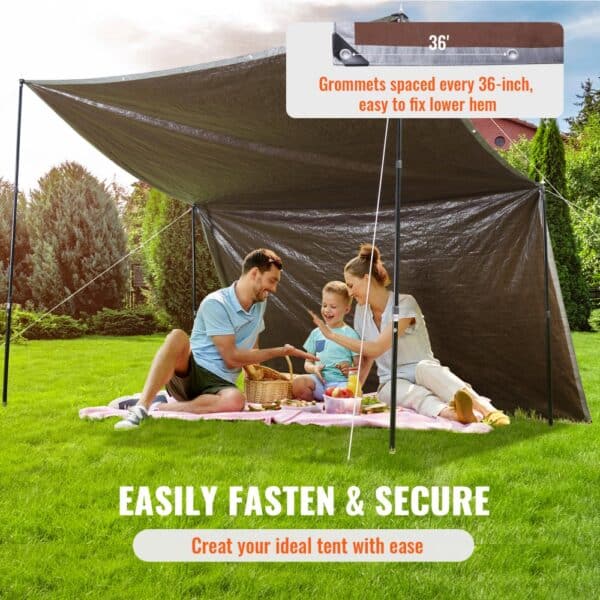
(271, 385)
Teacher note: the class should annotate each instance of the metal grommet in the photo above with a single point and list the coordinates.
(512, 54)
(345, 54)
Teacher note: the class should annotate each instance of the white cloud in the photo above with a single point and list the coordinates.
(71, 39)
(585, 27)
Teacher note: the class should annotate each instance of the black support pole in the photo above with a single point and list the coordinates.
(547, 335)
(193, 262)
(11, 263)
(396, 310)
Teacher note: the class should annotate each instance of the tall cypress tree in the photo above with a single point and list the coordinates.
(572, 283)
(75, 234)
(537, 149)
(169, 259)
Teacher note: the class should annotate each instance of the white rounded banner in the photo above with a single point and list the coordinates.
(303, 545)
(456, 82)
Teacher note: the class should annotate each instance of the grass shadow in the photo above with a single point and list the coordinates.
(308, 445)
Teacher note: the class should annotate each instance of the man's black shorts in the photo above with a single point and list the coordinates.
(196, 381)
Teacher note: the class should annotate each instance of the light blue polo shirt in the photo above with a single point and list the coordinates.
(220, 313)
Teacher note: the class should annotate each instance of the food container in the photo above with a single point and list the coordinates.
(341, 405)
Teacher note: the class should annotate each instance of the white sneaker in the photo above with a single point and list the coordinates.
(136, 415)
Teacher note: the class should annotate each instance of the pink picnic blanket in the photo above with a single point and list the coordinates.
(405, 418)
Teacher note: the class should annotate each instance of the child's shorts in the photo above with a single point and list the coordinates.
(320, 387)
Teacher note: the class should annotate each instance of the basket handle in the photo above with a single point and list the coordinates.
(289, 362)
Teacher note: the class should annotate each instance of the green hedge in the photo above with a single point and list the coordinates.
(48, 328)
(595, 320)
(134, 321)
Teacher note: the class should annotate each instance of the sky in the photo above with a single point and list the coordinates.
(68, 39)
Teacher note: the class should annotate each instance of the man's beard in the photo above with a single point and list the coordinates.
(260, 296)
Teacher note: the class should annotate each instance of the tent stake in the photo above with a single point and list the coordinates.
(396, 309)
(11, 263)
(193, 262)
(547, 334)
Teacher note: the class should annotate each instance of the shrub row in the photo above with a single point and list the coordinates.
(50, 327)
(136, 321)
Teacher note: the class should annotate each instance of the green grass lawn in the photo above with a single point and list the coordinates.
(61, 535)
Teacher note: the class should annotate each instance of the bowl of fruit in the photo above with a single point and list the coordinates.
(341, 400)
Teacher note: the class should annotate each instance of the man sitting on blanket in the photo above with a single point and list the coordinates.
(200, 371)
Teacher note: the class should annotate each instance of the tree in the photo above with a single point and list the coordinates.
(583, 185)
(76, 234)
(573, 286)
(22, 259)
(517, 155)
(552, 157)
(537, 150)
(169, 259)
(132, 208)
(590, 105)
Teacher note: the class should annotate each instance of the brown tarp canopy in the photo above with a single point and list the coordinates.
(218, 136)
